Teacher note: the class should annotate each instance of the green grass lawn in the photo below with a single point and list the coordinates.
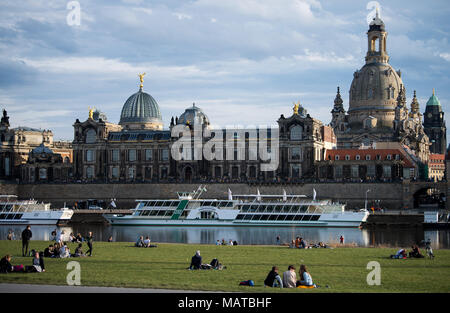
(343, 269)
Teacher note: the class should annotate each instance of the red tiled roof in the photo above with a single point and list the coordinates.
(383, 153)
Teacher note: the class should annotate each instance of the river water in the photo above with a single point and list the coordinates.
(389, 237)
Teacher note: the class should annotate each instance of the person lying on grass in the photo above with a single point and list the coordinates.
(7, 267)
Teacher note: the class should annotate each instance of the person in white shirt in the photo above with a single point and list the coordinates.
(290, 277)
(147, 242)
(230, 243)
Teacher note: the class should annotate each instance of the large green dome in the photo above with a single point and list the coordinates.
(433, 101)
(140, 110)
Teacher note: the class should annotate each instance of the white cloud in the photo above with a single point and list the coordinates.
(182, 16)
(445, 56)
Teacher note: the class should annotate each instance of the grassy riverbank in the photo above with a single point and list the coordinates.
(343, 269)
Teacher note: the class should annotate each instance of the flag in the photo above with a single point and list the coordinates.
(314, 194)
(113, 204)
(258, 196)
(230, 195)
(284, 195)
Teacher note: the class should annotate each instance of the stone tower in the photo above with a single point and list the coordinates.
(434, 125)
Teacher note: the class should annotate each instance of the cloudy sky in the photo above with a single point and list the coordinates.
(241, 61)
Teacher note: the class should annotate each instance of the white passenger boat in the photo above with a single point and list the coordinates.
(241, 210)
(13, 211)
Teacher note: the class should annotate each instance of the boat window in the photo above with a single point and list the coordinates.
(252, 208)
(175, 203)
(264, 217)
(298, 217)
(165, 203)
(206, 203)
(307, 217)
(256, 217)
(248, 217)
(289, 217)
(270, 208)
(286, 208)
(2, 216)
(145, 212)
(295, 208)
(303, 208)
(315, 217)
(169, 213)
(230, 204)
(185, 213)
(281, 217)
(278, 208)
(10, 216)
(151, 203)
(17, 216)
(153, 212)
(240, 217)
(245, 208)
(161, 213)
(273, 217)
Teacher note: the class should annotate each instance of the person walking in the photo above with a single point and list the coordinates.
(26, 236)
(89, 240)
(341, 240)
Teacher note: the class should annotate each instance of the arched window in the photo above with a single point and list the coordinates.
(296, 132)
(91, 136)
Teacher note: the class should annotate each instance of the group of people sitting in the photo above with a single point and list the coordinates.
(300, 243)
(196, 263)
(223, 243)
(144, 243)
(289, 279)
(414, 253)
(61, 250)
(37, 264)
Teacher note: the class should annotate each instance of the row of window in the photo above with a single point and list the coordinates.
(367, 157)
(275, 208)
(131, 155)
(280, 217)
(175, 203)
(10, 216)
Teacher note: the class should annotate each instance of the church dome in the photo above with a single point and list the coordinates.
(193, 115)
(141, 111)
(433, 101)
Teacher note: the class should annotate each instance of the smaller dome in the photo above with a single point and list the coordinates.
(193, 115)
(42, 149)
(433, 101)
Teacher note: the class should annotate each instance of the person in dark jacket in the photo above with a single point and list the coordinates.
(273, 279)
(89, 240)
(5, 264)
(196, 261)
(26, 236)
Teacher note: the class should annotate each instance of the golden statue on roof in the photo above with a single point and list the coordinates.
(91, 113)
(296, 106)
(141, 78)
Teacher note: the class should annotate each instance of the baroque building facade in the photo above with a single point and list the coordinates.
(17, 143)
(138, 149)
(377, 104)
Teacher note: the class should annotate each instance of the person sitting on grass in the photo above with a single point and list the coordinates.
(415, 253)
(7, 267)
(48, 252)
(79, 238)
(305, 277)
(401, 254)
(146, 242)
(37, 264)
(140, 242)
(273, 279)
(196, 261)
(64, 251)
(289, 277)
(79, 251)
